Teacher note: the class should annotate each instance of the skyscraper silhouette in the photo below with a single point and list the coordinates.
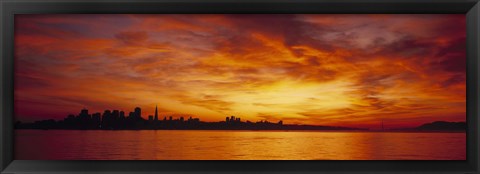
(122, 114)
(138, 112)
(84, 114)
(156, 113)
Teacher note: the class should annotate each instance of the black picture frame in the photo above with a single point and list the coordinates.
(9, 8)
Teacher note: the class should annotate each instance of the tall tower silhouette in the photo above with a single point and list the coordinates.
(156, 113)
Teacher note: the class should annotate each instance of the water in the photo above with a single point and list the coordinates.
(236, 145)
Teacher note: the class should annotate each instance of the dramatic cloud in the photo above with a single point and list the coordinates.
(343, 70)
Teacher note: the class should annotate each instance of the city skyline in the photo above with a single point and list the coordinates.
(349, 70)
(137, 114)
(119, 120)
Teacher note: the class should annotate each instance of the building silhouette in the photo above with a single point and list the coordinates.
(138, 113)
(156, 113)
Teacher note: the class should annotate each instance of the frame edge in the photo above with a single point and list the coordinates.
(473, 84)
(6, 91)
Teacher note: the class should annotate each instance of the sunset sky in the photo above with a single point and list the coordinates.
(340, 70)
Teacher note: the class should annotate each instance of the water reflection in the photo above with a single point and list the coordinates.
(237, 145)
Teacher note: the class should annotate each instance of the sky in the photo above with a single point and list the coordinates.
(324, 69)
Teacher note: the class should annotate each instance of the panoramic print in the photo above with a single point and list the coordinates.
(240, 87)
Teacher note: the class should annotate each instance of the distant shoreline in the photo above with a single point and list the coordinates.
(118, 120)
(247, 130)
